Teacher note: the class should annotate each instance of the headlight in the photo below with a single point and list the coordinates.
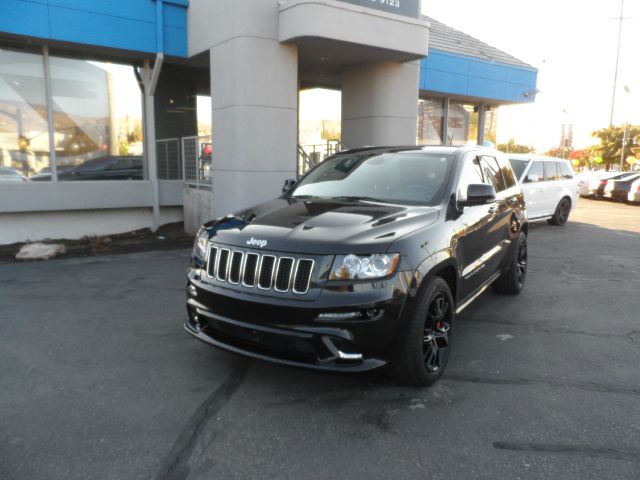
(200, 248)
(362, 267)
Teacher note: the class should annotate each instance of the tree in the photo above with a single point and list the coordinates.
(582, 158)
(559, 152)
(512, 147)
(610, 147)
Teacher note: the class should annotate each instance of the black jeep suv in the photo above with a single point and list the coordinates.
(363, 262)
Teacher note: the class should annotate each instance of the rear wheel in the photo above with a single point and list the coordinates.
(512, 280)
(424, 350)
(561, 214)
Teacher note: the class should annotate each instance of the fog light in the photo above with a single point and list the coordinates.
(374, 313)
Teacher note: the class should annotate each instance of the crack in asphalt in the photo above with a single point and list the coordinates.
(587, 387)
(174, 466)
(616, 453)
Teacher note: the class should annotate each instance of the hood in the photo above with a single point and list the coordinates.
(320, 226)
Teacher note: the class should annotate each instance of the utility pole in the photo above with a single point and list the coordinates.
(627, 90)
(615, 76)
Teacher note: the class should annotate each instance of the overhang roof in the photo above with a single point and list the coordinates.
(447, 39)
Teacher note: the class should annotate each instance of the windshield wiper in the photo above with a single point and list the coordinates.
(357, 198)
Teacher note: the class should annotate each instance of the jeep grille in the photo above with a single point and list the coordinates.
(264, 271)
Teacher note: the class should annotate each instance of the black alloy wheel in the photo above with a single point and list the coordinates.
(511, 281)
(435, 349)
(561, 214)
(423, 351)
(521, 263)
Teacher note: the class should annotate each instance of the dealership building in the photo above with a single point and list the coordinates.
(102, 102)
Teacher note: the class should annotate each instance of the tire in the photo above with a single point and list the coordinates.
(561, 214)
(511, 281)
(423, 352)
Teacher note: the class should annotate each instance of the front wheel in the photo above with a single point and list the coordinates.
(561, 214)
(512, 279)
(424, 350)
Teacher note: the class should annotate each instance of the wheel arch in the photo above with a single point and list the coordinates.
(441, 264)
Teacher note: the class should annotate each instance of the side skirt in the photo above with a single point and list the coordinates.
(477, 293)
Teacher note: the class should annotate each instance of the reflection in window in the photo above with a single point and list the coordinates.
(24, 135)
(462, 127)
(535, 173)
(490, 124)
(97, 117)
(430, 121)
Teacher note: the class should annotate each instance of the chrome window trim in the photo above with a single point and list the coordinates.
(295, 275)
(277, 270)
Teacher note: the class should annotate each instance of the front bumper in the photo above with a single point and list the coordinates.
(292, 332)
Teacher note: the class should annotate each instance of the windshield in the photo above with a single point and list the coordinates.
(518, 166)
(413, 177)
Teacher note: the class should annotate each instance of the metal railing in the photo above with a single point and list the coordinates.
(196, 161)
(310, 155)
(168, 155)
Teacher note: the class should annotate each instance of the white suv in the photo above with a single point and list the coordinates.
(549, 185)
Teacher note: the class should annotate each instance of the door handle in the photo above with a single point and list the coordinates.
(493, 208)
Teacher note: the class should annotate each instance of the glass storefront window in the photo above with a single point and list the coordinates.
(491, 124)
(430, 121)
(462, 128)
(97, 120)
(24, 133)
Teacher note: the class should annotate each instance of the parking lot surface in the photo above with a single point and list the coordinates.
(99, 380)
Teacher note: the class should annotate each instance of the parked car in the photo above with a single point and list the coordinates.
(622, 189)
(634, 192)
(363, 262)
(8, 174)
(589, 186)
(549, 186)
(606, 187)
(103, 168)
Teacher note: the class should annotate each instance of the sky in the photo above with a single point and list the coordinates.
(573, 45)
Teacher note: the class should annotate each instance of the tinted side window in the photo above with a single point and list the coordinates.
(536, 170)
(471, 173)
(507, 173)
(492, 173)
(550, 171)
(518, 166)
(565, 170)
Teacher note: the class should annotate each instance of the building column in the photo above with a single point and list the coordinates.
(380, 104)
(254, 94)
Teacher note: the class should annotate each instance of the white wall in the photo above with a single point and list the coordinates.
(75, 224)
(198, 209)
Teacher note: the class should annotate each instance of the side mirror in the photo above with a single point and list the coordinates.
(479, 194)
(532, 178)
(288, 183)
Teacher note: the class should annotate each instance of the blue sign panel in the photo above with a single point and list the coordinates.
(408, 8)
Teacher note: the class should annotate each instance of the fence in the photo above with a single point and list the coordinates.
(168, 156)
(196, 161)
(310, 155)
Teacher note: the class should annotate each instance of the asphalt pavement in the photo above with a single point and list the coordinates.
(98, 380)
